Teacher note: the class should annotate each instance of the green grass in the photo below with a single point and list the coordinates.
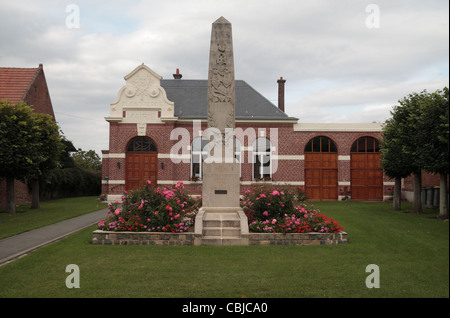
(53, 211)
(412, 252)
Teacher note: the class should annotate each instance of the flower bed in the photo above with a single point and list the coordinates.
(164, 216)
(271, 210)
(152, 209)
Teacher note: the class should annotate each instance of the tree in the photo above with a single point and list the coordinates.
(394, 161)
(87, 160)
(416, 139)
(406, 118)
(434, 127)
(23, 136)
(51, 146)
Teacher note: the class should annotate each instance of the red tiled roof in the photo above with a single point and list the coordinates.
(14, 82)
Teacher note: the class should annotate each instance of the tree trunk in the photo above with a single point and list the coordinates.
(35, 194)
(397, 194)
(443, 197)
(417, 204)
(10, 204)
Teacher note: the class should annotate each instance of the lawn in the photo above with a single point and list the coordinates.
(53, 211)
(411, 251)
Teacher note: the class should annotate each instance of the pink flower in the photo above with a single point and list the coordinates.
(262, 195)
(117, 212)
(247, 191)
(265, 213)
(149, 182)
(275, 192)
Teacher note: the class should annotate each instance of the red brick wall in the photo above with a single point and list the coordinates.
(290, 143)
(38, 95)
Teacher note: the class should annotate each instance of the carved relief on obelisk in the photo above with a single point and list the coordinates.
(221, 90)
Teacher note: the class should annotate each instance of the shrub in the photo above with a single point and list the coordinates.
(151, 208)
(274, 211)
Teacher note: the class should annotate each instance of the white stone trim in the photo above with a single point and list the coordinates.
(173, 156)
(388, 183)
(302, 183)
(335, 127)
(114, 198)
(288, 157)
(171, 182)
(113, 181)
(121, 155)
(344, 183)
(343, 157)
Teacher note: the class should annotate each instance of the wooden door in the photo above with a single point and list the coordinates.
(140, 167)
(321, 176)
(366, 177)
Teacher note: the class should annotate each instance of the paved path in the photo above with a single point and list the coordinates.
(18, 245)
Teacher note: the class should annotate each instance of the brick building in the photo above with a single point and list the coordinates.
(28, 85)
(158, 132)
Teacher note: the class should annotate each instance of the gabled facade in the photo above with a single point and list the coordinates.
(28, 85)
(158, 132)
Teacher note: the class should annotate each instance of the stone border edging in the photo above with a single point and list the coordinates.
(100, 237)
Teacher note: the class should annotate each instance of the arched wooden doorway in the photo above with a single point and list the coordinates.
(321, 169)
(141, 162)
(365, 170)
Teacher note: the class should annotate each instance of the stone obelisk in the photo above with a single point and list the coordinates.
(221, 174)
(221, 221)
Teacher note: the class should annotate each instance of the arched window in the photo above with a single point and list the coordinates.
(366, 144)
(141, 144)
(262, 158)
(320, 144)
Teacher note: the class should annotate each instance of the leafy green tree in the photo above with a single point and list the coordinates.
(434, 127)
(29, 144)
(416, 139)
(394, 161)
(87, 160)
(51, 146)
(19, 149)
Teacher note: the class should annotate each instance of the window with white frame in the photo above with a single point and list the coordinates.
(262, 159)
(237, 153)
(199, 152)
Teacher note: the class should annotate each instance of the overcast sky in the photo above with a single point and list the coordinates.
(343, 61)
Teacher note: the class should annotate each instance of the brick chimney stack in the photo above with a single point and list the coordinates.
(177, 75)
(281, 82)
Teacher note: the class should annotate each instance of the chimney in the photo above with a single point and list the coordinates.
(281, 82)
(177, 75)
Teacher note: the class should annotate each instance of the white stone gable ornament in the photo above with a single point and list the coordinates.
(142, 100)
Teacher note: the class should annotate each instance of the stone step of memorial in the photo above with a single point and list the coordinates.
(221, 229)
(221, 226)
(217, 240)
